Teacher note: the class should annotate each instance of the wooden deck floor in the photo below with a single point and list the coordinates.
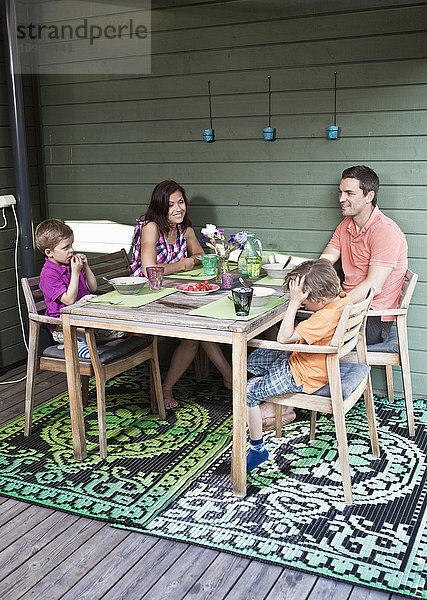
(47, 554)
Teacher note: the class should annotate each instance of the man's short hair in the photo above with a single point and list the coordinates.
(49, 234)
(321, 279)
(368, 179)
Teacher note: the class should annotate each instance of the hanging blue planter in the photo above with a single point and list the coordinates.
(269, 133)
(333, 130)
(209, 134)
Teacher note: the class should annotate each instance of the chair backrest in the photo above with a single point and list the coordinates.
(115, 264)
(350, 330)
(35, 300)
(408, 289)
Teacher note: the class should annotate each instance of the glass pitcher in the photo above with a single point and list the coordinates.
(252, 247)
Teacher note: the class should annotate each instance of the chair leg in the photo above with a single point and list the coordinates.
(402, 335)
(313, 419)
(85, 389)
(197, 368)
(31, 375)
(341, 435)
(102, 423)
(153, 398)
(204, 361)
(389, 380)
(278, 429)
(201, 365)
(372, 423)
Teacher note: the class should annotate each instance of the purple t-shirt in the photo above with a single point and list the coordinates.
(54, 281)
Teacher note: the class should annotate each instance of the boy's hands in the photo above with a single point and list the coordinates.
(77, 263)
(296, 293)
(83, 258)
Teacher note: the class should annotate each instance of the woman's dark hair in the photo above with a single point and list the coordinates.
(159, 205)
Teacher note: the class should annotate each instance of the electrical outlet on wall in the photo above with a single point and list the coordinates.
(7, 201)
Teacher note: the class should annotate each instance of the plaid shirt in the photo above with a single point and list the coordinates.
(166, 253)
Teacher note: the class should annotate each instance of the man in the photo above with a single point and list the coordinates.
(372, 248)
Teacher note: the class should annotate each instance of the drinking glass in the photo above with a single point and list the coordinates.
(155, 277)
(242, 298)
(227, 281)
(253, 265)
(209, 262)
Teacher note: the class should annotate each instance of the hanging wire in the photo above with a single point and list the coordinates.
(210, 102)
(17, 290)
(335, 99)
(269, 100)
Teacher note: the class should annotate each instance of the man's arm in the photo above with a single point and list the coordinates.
(376, 277)
(331, 254)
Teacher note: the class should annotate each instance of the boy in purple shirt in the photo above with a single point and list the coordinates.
(65, 277)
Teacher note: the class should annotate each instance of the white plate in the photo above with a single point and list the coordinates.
(182, 287)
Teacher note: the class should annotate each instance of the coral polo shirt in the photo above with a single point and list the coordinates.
(379, 243)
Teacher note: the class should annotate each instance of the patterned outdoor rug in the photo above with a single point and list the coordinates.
(149, 461)
(294, 514)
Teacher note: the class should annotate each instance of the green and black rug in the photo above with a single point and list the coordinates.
(294, 514)
(149, 461)
(172, 479)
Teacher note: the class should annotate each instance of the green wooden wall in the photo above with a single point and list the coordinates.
(108, 140)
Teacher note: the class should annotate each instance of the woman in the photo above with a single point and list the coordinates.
(166, 237)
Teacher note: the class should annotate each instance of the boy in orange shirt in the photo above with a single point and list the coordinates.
(315, 286)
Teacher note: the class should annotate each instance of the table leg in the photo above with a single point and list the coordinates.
(238, 460)
(74, 389)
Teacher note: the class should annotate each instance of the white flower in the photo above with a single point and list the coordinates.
(241, 237)
(209, 230)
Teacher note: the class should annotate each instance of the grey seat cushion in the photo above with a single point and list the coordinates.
(108, 351)
(390, 344)
(351, 375)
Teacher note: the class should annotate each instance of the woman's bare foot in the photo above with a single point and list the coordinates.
(169, 400)
(268, 412)
(269, 423)
(228, 384)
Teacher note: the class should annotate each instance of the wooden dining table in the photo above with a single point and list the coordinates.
(169, 317)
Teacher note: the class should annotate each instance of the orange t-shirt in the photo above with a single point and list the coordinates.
(380, 242)
(308, 369)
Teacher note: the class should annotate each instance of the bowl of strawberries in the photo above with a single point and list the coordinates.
(198, 288)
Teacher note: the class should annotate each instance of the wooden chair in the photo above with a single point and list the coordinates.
(115, 264)
(346, 383)
(107, 360)
(394, 350)
(201, 365)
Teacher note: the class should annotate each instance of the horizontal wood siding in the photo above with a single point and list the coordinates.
(109, 139)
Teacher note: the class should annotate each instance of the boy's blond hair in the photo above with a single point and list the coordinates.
(50, 233)
(321, 279)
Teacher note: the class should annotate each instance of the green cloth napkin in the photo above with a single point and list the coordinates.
(224, 309)
(196, 273)
(145, 296)
(267, 281)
